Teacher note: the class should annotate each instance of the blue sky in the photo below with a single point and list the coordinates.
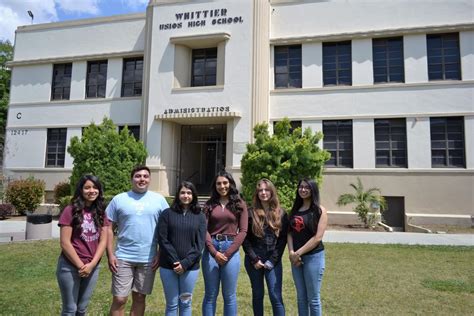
(13, 13)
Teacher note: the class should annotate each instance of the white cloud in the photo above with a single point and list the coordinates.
(135, 3)
(79, 6)
(13, 13)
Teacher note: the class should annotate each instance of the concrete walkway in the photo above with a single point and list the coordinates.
(15, 231)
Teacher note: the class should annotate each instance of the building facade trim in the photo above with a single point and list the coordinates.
(373, 34)
(56, 60)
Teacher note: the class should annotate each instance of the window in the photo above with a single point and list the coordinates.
(96, 79)
(338, 141)
(132, 76)
(204, 67)
(443, 57)
(337, 64)
(390, 143)
(56, 147)
(61, 85)
(133, 129)
(288, 66)
(447, 142)
(388, 60)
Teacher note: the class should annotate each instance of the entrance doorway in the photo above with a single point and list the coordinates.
(202, 154)
(394, 215)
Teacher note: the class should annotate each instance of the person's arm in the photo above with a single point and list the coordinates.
(88, 267)
(65, 234)
(240, 237)
(195, 252)
(247, 244)
(281, 241)
(166, 248)
(210, 247)
(318, 237)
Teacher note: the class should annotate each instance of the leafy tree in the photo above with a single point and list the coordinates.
(6, 54)
(106, 153)
(283, 158)
(363, 200)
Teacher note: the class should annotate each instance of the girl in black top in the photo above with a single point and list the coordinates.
(308, 221)
(264, 246)
(181, 236)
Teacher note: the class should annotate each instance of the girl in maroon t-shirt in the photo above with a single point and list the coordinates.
(83, 238)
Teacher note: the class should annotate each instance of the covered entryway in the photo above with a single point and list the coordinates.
(202, 154)
(394, 215)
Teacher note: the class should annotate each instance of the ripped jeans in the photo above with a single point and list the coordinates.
(178, 291)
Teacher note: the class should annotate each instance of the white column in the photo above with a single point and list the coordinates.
(466, 40)
(362, 68)
(114, 78)
(363, 143)
(418, 142)
(414, 51)
(312, 65)
(78, 80)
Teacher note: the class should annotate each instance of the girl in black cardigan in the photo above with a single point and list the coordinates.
(181, 236)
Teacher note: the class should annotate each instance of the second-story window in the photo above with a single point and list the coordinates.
(56, 147)
(388, 60)
(61, 84)
(132, 76)
(447, 142)
(96, 80)
(204, 67)
(443, 56)
(134, 130)
(288, 67)
(337, 64)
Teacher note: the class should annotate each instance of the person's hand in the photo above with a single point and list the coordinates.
(221, 259)
(86, 270)
(178, 268)
(155, 263)
(113, 264)
(295, 259)
(268, 265)
(258, 265)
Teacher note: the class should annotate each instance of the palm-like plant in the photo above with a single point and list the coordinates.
(363, 201)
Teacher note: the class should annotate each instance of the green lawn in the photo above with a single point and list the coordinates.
(360, 279)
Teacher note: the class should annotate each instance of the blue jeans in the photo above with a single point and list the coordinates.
(178, 291)
(76, 292)
(274, 283)
(308, 277)
(214, 275)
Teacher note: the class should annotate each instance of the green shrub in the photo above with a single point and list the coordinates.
(25, 194)
(61, 189)
(63, 202)
(108, 154)
(283, 158)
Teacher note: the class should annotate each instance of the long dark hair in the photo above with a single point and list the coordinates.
(315, 207)
(235, 201)
(97, 208)
(194, 205)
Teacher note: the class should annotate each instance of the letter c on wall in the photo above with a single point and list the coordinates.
(18, 115)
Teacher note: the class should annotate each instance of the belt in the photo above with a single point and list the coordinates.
(221, 237)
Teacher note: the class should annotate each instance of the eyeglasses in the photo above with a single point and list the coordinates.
(304, 187)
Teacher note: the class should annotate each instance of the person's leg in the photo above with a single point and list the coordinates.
(85, 291)
(143, 280)
(302, 301)
(274, 284)
(211, 275)
(229, 276)
(258, 291)
(186, 286)
(121, 285)
(68, 281)
(314, 265)
(170, 281)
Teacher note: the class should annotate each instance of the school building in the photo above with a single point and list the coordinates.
(389, 83)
